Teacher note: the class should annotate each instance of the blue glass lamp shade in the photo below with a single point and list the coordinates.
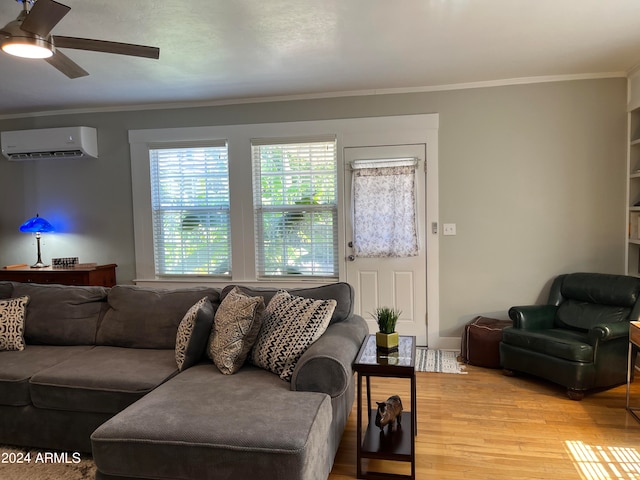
(37, 225)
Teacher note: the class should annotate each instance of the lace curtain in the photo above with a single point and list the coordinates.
(384, 210)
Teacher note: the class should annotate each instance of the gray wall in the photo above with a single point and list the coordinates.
(533, 176)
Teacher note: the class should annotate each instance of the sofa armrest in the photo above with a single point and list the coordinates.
(604, 332)
(326, 365)
(533, 317)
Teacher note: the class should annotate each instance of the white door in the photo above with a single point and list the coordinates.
(395, 282)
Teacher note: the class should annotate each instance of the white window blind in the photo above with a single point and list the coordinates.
(190, 209)
(295, 207)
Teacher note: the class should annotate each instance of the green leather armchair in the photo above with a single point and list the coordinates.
(580, 338)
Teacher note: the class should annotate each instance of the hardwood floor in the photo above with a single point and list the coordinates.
(484, 425)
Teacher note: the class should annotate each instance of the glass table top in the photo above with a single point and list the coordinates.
(404, 357)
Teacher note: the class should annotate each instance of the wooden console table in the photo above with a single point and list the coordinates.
(101, 275)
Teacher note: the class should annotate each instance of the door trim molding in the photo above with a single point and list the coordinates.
(399, 130)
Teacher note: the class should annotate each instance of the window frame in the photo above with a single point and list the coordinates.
(238, 138)
(154, 181)
(289, 209)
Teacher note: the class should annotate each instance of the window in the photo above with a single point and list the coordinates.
(384, 208)
(295, 206)
(190, 210)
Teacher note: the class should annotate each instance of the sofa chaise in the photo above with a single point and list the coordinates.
(99, 373)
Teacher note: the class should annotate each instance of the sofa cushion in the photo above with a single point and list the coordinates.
(17, 368)
(146, 317)
(247, 425)
(601, 288)
(193, 333)
(583, 315)
(290, 325)
(567, 344)
(103, 379)
(12, 313)
(6, 288)
(341, 292)
(61, 314)
(236, 326)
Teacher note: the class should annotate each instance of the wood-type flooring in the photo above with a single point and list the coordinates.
(486, 426)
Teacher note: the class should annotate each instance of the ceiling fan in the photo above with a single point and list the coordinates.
(30, 36)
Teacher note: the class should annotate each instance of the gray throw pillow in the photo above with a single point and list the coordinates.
(12, 313)
(289, 326)
(193, 333)
(235, 328)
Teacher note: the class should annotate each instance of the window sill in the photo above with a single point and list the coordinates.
(222, 282)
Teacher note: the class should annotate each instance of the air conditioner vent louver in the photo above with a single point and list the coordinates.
(50, 143)
(46, 155)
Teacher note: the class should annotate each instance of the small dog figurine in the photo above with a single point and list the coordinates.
(389, 412)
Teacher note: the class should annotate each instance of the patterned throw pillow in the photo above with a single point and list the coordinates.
(235, 329)
(193, 333)
(290, 325)
(12, 313)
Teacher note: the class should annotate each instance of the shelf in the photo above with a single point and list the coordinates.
(632, 240)
(390, 446)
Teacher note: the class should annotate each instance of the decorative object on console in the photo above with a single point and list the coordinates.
(387, 337)
(389, 413)
(64, 262)
(37, 225)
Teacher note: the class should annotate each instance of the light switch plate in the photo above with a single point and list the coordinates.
(449, 229)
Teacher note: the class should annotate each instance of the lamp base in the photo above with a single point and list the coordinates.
(38, 263)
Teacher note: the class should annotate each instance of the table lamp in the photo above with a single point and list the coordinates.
(37, 225)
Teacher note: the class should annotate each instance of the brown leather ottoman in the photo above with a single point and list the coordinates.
(481, 341)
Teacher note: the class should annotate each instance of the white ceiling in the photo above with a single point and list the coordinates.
(217, 50)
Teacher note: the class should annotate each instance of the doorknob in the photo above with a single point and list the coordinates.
(351, 258)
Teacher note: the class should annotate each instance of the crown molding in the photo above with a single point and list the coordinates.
(315, 96)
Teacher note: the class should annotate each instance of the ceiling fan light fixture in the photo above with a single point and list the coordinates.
(28, 47)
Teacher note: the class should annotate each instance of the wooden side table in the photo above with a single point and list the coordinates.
(634, 344)
(101, 275)
(399, 445)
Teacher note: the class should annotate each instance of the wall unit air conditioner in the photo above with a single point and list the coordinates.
(50, 143)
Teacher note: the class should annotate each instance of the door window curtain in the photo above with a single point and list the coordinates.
(384, 208)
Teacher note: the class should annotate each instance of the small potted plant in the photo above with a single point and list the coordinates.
(387, 337)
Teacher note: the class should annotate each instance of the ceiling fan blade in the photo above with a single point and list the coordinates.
(107, 47)
(67, 66)
(44, 15)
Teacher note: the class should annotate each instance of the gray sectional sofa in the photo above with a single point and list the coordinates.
(99, 374)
